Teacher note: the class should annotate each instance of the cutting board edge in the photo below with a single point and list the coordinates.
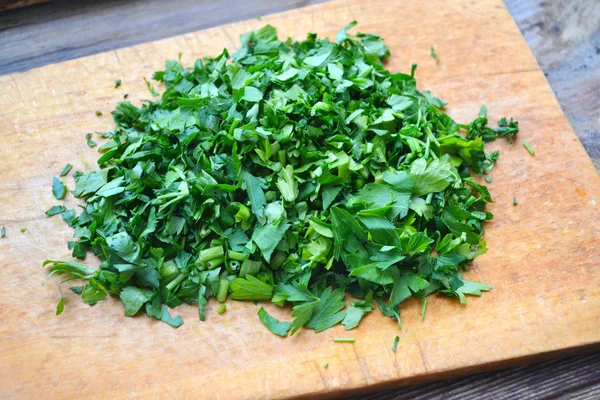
(472, 370)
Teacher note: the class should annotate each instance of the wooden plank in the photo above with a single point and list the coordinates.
(62, 30)
(569, 378)
(542, 263)
(565, 39)
(10, 4)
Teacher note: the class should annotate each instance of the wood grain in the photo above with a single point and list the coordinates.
(564, 36)
(569, 378)
(543, 262)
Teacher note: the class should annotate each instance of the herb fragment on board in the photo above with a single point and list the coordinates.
(66, 170)
(395, 345)
(273, 324)
(98, 113)
(221, 309)
(326, 366)
(3, 232)
(434, 55)
(529, 148)
(344, 340)
(515, 201)
(290, 172)
(54, 210)
(118, 83)
(59, 190)
(23, 230)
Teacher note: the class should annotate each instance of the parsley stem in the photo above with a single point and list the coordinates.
(215, 262)
(210, 253)
(529, 148)
(223, 290)
(429, 198)
(232, 266)
(344, 340)
(236, 255)
(171, 285)
(234, 125)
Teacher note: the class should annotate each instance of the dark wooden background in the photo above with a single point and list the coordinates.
(564, 36)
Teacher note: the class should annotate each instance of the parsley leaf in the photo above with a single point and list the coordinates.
(59, 190)
(54, 210)
(250, 288)
(327, 311)
(66, 169)
(278, 328)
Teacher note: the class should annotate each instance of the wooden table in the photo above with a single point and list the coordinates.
(564, 37)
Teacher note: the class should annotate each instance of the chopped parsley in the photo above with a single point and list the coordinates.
(118, 83)
(434, 55)
(395, 345)
(66, 170)
(290, 172)
(59, 190)
(344, 340)
(54, 210)
(529, 148)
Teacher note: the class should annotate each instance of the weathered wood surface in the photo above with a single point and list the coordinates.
(10, 4)
(40, 133)
(564, 36)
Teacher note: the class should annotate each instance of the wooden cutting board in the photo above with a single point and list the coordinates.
(543, 263)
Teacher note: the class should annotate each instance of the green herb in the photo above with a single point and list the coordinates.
(434, 55)
(326, 366)
(515, 201)
(60, 307)
(278, 328)
(98, 113)
(423, 309)
(290, 172)
(488, 179)
(54, 210)
(59, 190)
(76, 289)
(66, 169)
(151, 88)
(529, 148)
(395, 345)
(344, 340)
(90, 142)
(126, 95)
(3, 232)
(118, 83)
(23, 230)
(221, 309)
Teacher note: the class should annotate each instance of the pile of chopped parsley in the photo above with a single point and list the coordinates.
(290, 172)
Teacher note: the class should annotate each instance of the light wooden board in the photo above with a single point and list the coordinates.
(543, 263)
